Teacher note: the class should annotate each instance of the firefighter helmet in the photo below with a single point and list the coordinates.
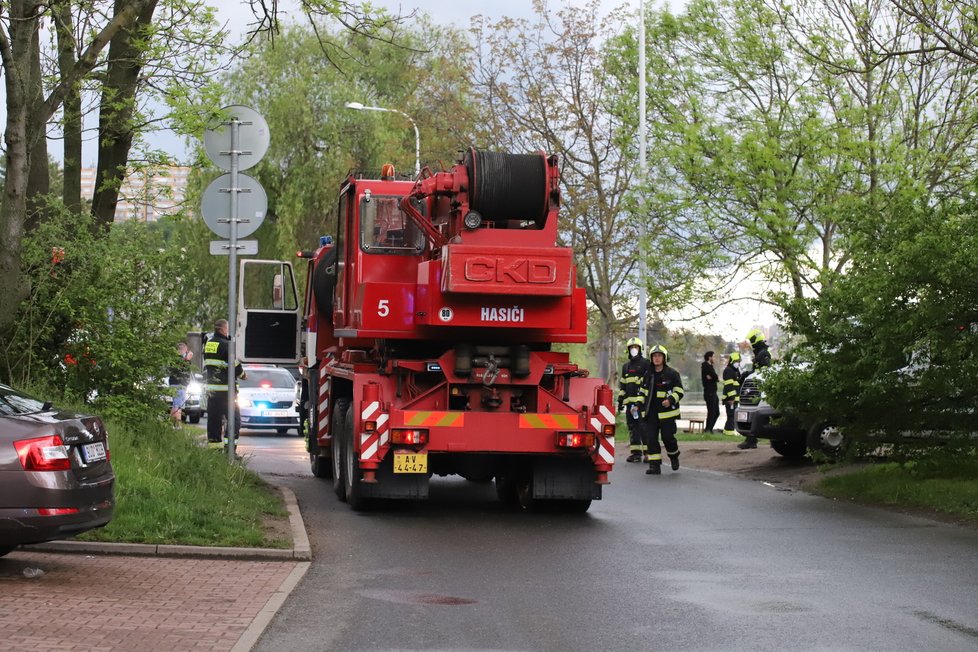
(734, 357)
(634, 342)
(658, 348)
(755, 335)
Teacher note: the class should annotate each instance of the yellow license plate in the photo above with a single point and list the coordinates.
(410, 462)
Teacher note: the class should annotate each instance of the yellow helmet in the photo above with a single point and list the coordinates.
(734, 357)
(634, 342)
(658, 348)
(755, 335)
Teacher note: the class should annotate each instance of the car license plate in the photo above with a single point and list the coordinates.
(94, 452)
(275, 413)
(410, 462)
(743, 416)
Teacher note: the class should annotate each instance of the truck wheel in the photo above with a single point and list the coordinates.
(506, 490)
(827, 438)
(351, 470)
(194, 418)
(789, 448)
(524, 490)
(320, 466)
(337, 444)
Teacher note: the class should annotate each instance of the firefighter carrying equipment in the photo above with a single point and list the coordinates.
(633, 395)
(667, 392)
(667, 387)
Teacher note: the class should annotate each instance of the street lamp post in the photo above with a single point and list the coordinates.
(357, 106)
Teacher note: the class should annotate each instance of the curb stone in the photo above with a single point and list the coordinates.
(300, 551)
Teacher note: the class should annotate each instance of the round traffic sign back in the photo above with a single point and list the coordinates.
(253, 138)
(216, 205)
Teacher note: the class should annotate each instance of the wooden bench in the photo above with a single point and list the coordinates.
(694, 424)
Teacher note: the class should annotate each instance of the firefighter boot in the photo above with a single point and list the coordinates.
(634, 457)
(749, 442)
(674, 461)
(655, 468)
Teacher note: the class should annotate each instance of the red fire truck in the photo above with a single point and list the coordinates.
(427, 336)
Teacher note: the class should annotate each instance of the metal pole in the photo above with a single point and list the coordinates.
(642, 178)
(232, 289)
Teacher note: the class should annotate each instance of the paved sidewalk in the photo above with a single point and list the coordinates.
(109, 602)
(88, 598)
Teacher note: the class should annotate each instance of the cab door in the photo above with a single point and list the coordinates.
(268, 318)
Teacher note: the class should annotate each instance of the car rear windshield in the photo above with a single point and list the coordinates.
(271, 377)
(14, 402)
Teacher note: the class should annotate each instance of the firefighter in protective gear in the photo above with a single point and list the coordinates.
(762, 355)
(731, 392)
(667, 391)
(762, 358)
(216, 379)
(633, 395)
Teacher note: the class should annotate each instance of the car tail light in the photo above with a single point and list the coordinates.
(369, 426)
(409, 436)
(56, 511)
(575, 440)
(608, 430)
(43, 454)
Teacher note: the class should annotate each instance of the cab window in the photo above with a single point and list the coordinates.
(386, 229)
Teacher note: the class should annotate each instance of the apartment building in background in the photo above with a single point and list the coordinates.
(146, 194)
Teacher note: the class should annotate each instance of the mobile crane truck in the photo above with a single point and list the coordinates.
(426, 336)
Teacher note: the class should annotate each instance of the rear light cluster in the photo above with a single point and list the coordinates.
(575, 440)
(43, 454)
(409, 436)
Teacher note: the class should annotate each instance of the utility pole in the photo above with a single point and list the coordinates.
(642, 177)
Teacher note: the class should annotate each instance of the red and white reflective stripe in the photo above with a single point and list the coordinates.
(606, 443)
(370, 442)
(323, 399)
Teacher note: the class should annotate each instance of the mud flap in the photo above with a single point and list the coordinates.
(565, 479)
(402, 486)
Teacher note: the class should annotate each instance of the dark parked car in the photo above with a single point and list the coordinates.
(56, 479)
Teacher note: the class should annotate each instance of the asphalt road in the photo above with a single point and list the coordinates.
(686, 561)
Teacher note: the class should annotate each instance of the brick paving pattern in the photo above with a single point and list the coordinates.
(105, 602)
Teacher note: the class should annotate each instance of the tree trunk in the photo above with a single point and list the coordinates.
(116, 110)
(26, 123)
(64, 25)
(38, 178)
(16, 68)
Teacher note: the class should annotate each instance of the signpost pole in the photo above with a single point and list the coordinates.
(234, 145)
(233, 291)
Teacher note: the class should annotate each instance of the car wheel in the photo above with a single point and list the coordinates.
(827, 438)
(336, 446)
(281, 431)
(789, 448)
(194, 418)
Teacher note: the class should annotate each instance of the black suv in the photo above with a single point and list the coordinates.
(789, 435)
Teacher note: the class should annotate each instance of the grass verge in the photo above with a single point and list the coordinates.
(169, 490)
(946, 483)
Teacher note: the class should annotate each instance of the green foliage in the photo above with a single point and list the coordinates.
(892, 344)
(107, 316)
(169, 490)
